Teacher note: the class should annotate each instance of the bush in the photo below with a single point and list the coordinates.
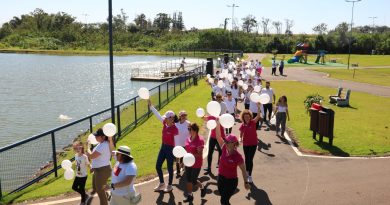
(310, 99)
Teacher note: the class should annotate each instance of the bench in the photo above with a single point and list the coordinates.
(332, 98)
(355, 65)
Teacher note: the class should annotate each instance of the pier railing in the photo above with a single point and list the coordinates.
(29, 161)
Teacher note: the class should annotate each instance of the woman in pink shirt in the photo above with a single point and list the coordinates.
(248, 137)
(194, 145)
(228, 163)
(169, 132)
(212, 144)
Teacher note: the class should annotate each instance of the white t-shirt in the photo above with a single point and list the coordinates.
(180, 139)
(104, 157)
(230, 105)
(235, 92)
(119, 173)
(223, 107)
(270, 92)
(81, 165)
(253, 108)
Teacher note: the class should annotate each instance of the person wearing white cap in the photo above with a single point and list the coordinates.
(180, 139)
(123, 177)
(169, 132)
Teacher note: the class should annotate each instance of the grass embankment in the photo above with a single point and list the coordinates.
(341, 60)
(144, 140)
(362, 129)
(377, 76)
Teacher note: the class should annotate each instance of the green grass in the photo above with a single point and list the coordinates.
(378, 76)
(144, 140)
(363, 129)
(341, 60)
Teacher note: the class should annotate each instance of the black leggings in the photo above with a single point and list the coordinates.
(79, 186)
(226, 188)
(213, 142)
(249, 152)
(267, 107)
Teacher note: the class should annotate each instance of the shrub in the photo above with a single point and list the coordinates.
(310, 99)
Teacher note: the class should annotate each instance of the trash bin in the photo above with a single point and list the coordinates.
(210, 66)
(326, 124)
(314, 121)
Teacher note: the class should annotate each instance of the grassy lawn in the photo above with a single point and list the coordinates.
(341, 60)
(363, 129)
(378, 76)
(144, 140)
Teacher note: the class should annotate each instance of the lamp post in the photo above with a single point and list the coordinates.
(372, 32)
(233, 6)
(350, 36)
(111, 62)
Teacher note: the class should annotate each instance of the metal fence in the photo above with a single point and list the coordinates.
(31, 160)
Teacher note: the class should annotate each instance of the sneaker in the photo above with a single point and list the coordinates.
(267, 129)
(169, 188)
(207, 170)
(189, 198)
(160, 187)
(250, 179)
(203, 192)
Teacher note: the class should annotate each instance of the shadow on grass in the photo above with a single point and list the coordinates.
(334, 150)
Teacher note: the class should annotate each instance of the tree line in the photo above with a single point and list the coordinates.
(61, 31)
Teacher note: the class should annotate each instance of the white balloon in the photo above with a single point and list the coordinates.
(213, 108)
(273, 120)
(92, 139)
(245, 86)
(66, 164)
(211, 124)
(220, 84)
(227, 120)
(264, 98)
(242, 95)
(235, 72)
(143, 93)
(257, 88)
(221, 75)
(229, 76)
(200, 112)
(69, 174)
(211, 80)
(109, 129)
(254, 97)
(188, 160)
(208, 76)
(240, 83)
(179, 152)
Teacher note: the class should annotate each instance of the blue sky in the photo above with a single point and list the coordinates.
(211, 13)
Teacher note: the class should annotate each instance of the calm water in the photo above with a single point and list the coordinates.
(36, 89)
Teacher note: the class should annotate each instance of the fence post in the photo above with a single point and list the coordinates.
(167, 92)
(1, 191)
(135, 111)
(159, 97)
(118, 110)
(53, 146)
(174, 87)
(90, 125)
(185, 81)
(181, 77)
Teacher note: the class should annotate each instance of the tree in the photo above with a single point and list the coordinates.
(162, 21)
(141, 21)
(265, 22)
(177, 21)
(225, 23)
(289, 25)
(119, 21)
(278, 26)
(320, 28)
(249, 22)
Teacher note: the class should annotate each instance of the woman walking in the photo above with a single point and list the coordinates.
(194, 145)
(248, 136)
(82, 163)
(101, 166)
(281, 112)
(169, 132)
(181, 138)
(227, 171)
(123, 177)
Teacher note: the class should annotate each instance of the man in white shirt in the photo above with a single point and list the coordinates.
(230, 103)
(268, 106)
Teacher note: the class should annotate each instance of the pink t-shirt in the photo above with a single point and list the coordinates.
(193, 147)
(228, 163)
(168, 134)
(249, 137)
(213, 133)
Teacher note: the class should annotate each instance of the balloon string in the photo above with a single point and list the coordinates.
(206, 150)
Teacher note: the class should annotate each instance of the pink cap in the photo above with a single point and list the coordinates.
(231, 138)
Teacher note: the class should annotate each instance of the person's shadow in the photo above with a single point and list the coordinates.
(259, 195)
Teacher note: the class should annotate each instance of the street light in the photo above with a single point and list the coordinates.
(372, 32)
(111, 62)
(233, 6)
(350, 37)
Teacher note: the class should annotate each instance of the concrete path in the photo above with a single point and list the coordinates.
(304, 74)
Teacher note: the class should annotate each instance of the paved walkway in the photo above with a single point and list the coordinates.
(304, 74)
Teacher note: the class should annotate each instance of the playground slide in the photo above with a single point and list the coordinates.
(296, 58)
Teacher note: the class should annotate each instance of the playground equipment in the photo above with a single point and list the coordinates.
(301, 54)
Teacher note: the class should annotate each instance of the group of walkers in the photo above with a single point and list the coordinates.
(232, 84)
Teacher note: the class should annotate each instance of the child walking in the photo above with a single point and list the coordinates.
(81, 161)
